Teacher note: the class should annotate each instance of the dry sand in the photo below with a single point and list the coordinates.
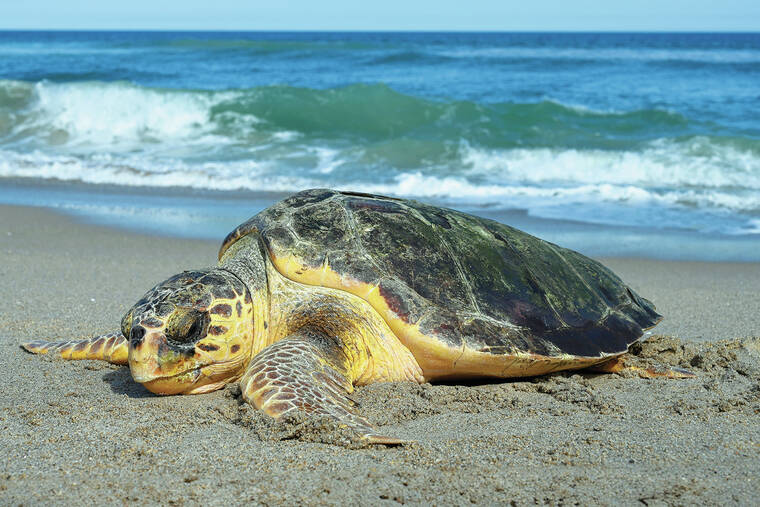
(82, 432)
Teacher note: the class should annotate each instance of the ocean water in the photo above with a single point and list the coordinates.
(654, 137)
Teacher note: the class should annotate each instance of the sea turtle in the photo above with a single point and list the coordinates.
(328, 290)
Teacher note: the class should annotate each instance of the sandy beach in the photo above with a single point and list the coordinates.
(78, 432)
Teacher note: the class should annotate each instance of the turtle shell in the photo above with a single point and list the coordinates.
(466, 294)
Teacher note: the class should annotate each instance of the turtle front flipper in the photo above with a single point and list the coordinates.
(307, 372)
(111, 347)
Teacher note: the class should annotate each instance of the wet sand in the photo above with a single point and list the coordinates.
(82, 431)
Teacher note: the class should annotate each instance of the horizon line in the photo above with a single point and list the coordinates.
(343, 30)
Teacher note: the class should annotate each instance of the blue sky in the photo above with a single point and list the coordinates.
(591, 15)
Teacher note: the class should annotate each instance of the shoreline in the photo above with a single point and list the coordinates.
(79, 431)
(180, 212)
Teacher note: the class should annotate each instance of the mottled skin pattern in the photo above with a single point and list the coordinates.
(190, 334)
(327, 290)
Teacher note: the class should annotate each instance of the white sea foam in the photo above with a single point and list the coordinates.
(664, 163)
(752, 226)
(121, 114)
(519, 196)
(514, 179)
(95, 117)
(140, 171)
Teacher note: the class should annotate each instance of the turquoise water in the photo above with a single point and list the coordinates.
(657, 133)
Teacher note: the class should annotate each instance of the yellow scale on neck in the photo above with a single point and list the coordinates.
(373, 351)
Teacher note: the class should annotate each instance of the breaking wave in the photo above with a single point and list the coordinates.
(102, 114)
(281, 138)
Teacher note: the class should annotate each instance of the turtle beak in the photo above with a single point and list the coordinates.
(160, 369)
(143, 357)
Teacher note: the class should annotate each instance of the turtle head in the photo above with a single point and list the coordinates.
(190, 334)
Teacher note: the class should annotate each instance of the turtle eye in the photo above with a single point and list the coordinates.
(187, 326)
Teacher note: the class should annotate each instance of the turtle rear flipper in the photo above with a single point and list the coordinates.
(111, 347)
(653, 370)
(307, 372)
